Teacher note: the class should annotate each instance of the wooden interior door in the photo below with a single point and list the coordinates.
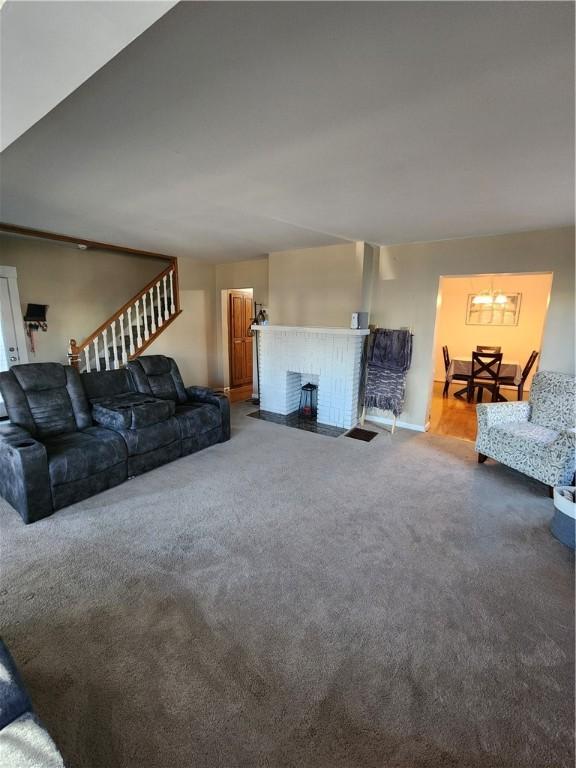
(239, 317)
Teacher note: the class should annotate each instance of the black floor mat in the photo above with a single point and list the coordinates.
(361, 434)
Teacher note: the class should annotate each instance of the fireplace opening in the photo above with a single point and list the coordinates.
(308, 409)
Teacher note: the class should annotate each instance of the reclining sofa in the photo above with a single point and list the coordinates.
(71, 436)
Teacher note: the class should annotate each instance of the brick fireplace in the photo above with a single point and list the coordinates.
(291, 356)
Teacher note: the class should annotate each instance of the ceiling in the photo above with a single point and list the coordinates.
(49, 48)
(229, 130)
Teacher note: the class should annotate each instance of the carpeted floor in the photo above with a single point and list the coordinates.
(292, 600)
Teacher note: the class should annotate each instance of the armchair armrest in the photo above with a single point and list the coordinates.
(492, 414)
(207, 395)
(24, 478)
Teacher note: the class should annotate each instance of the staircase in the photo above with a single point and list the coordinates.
(132, 328)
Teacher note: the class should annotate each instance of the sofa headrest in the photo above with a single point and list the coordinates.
(35, 377)
(155, 365)
(100, 384)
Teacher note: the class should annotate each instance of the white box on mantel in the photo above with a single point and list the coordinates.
(291, 356)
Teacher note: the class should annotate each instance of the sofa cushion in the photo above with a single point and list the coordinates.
(78, 455)
(25, 743)
(159, 376)
(553, 400)
(131, 411)
(197, 418)
(45, 398)
(150, 438)
(101, 385)
(13, 697)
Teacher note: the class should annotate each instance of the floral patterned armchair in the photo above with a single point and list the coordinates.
(537, 437)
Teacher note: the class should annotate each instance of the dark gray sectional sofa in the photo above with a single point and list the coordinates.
(71, 436)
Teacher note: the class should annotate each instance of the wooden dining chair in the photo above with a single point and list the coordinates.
(456, 377)
(489, 350)
(509, 380)
(485, 376)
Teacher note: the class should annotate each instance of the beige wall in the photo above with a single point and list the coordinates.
(517, 341)
(191, 337)
(410, 299)
(235, 275)
(316, 286)
(81, 288)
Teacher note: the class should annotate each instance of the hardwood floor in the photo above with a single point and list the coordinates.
(451, 416)
(455, 417)
(237, 394)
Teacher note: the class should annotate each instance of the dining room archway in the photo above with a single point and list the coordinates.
(492, 315)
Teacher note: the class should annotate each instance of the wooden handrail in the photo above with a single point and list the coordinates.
(112, 319)
(14, 229)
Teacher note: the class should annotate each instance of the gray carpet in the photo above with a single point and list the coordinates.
(288, 599)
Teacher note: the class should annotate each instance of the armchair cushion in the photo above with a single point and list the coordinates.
(78, 455)
(553, 400)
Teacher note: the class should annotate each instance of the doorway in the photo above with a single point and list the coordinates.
(12, 340)
(505, 313)
(237, 318)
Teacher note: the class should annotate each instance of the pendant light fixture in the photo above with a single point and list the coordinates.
(490, 296)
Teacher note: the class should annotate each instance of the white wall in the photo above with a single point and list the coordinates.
(517, 341)
(410, 298)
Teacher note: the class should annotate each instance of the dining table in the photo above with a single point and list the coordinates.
(462, 365)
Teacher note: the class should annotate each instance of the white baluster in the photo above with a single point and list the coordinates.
(172, 306)
(130, 332)
(122, 339)
(166, 315)
(138, 332)
(87, 358)
(159, 305)
(145, 316)
(153, 324)
(114, 346)
(106, 350)
(96, 353)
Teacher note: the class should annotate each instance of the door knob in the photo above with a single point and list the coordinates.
(13, 358)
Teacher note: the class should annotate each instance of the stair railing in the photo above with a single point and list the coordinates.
(132, 328)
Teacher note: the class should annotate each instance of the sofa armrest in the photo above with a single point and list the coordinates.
(207, 395)
(492, 414)
(24, 478)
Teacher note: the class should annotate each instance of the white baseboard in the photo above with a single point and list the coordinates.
(386, 421)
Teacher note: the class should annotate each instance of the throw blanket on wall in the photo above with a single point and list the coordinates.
(391, 350)
(385, 389)
(389, 358)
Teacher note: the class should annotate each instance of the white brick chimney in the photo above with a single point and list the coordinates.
(291, 356)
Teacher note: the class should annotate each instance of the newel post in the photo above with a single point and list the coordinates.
(73, 354)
